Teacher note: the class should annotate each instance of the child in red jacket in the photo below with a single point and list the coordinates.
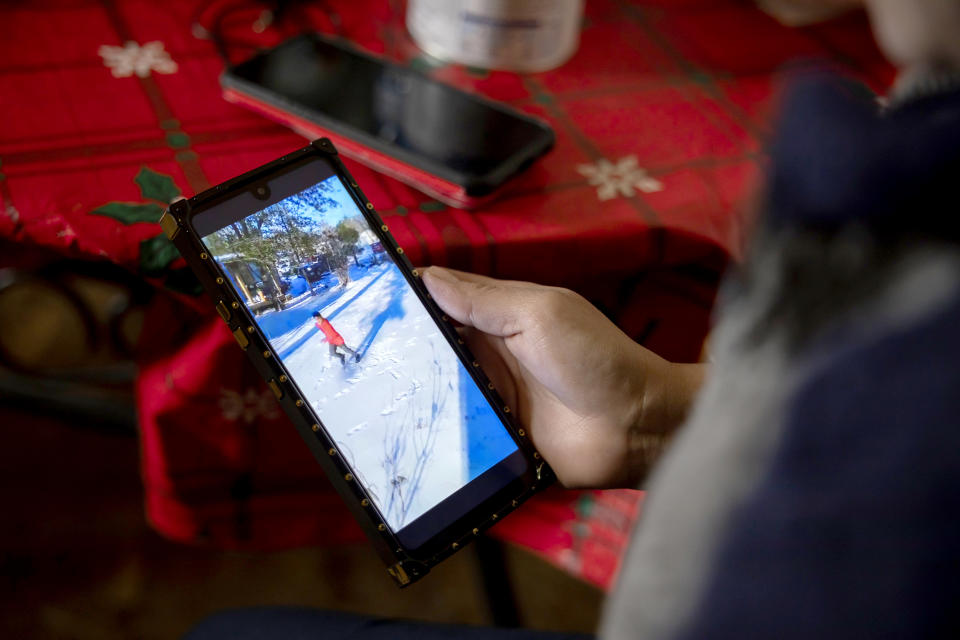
(334, 339)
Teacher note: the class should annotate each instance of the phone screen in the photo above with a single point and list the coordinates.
(355, 338)
(395, 106)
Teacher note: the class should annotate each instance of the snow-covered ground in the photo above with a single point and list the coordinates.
(407, 416)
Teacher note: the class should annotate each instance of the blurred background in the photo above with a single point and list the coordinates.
(148, 478)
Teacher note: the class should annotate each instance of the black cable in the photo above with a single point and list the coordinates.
(208, 20)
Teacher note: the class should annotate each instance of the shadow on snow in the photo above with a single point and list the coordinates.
(305, 313)
(394, 309)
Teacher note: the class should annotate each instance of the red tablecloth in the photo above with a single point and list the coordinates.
(109, 110)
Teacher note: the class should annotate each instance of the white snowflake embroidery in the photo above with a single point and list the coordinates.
(133, 58)
(67, 232)
(620, 178)
(247, 406)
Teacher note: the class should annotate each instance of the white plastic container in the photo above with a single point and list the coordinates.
(515, 35)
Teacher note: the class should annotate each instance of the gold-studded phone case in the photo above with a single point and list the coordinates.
(405, 565)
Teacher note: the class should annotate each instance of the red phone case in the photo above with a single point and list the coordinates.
(443, 190)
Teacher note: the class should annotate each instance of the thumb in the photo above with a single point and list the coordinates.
(487, 304)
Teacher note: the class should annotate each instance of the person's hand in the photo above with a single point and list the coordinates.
(597, 405)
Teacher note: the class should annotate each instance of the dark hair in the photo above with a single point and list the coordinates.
(316, 314)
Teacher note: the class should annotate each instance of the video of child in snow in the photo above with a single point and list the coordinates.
(365, 353)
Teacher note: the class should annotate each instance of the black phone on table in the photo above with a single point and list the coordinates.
(457, 147)
(375, 378)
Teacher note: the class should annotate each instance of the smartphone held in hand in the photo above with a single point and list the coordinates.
(377, 381)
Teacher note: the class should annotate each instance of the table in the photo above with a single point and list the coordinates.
(111, 110)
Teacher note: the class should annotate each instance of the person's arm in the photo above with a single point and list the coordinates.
(598, 405)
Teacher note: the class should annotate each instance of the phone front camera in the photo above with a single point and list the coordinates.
(262, 192)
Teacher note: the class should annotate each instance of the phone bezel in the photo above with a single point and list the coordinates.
(305, 174)
(474, 185)
(417, 559)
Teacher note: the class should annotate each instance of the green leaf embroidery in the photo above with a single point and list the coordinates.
(585, 505)
(177, 140)
(156, 186)
(432, 205)
(130, 212)
(156, 254)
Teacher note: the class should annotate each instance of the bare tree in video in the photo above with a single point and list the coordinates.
(420, 432)
(337, 254)
(349, 237)
(285, 236)
(250, 253)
